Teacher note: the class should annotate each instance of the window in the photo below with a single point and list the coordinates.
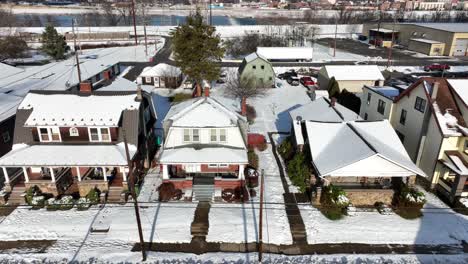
(99, 134)
(270, 78)
(213, 136)
(381, 107)
(466, 144)
(222, 135)
(223, 165)
(420, 104)
(254, 67)
(365, 116)
(6, 137)
(212, 165)
(262, 67)
(186, 135)
(403, 117)
(49, 134)
(369, 95)
(73, 132)
(148, 79)
(195, 135)
(401, 136)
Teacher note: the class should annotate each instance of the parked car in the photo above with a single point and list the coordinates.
(361, 63)
(293, 80)
(285, 75)
(307, 81)
(362, 38)
(436, 67)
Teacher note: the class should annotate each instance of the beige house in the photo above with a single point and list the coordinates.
(350, 77)
(429, 117)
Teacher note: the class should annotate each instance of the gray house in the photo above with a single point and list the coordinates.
(258, 67)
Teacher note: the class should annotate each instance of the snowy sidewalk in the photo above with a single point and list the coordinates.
(149, 189)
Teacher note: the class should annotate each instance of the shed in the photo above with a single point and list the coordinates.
(161, 76)
(350, 77)
(257, 67)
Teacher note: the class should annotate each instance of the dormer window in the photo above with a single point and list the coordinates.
(49, 134)
(74, 132)
(99, 134)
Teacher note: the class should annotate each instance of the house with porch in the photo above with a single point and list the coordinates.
(204, 150)
(69, 142)
(161, 76)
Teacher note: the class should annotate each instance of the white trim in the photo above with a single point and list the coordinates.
(52, 174)
(99, 134)
(104, 175)
(73, 131)
(25, 172)
(5, 173)
(78, 173)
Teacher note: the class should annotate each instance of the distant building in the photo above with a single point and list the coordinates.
(350, 77)
(161, 76)
(286, 54)
(259, 68)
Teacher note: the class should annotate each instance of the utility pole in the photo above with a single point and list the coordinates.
(391, 44)
(378, 24)
(131, 179)
(134, 22)
(144, 30)
(76, 52)
(211, 21)
(260, 221)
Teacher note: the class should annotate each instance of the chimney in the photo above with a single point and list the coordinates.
(435, 89)
(198, 90)
(332, 101)
(107, 75)
(86, 87)
(207, 91)
(244, 106)
(139, 96)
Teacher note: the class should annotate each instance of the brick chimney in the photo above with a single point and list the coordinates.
(198, 92)
(86, 87)
(244, 106)
(435, 89)
(207, 91)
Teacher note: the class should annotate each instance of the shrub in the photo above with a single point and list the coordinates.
(167, 192)
(262, 146)
(286, 149)
(83, 204)
(66, 203)
(251, 114)
(409, 202)
(52, 204)
(179, 97)
(253, 158)
(38, 202)
(333, 202)
(298, 171)
(31, 192)
(93, 196)
(238, 194)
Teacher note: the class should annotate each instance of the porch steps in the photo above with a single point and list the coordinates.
(16, 195)
(115, 194)
(203, 193)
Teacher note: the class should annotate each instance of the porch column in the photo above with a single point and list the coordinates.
(124, 175)
(104, 173)
(241, 172)
(78, 173)
(52, 174)
(5, 172)
(25, 172)
(165, 172)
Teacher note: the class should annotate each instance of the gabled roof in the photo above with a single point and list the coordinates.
(460, 87)
(204, 112)
(8, 70)
(206, 155)
(162, 69)
(253, 56)
(444, 107)
(354, 72)
(358, 148)
(321, 110)
(77, 109)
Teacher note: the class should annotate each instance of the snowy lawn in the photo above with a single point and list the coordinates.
(436, 226)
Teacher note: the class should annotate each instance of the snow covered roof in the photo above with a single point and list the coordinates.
(8, 70)
(120, 84)
(321, 110)
(358, 149)
(386, 91)
(204, 112)
(204, 155)
(450, 27)
(429, 41)
(285, 53)
(8, 105)
(460, 86)
(383, 30)
(73, 109)
(162, 69)
(67, 155)
(354, 72)
(253, 56)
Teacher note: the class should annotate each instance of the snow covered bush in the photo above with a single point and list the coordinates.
(253, 158)
(239, 194)
(66, 202)
(83, 203)
(52, 204)
(168, 192)
(299, 171)
(31, 192)
(93, 196)
(286, 149)
(333, 202)
(38, 202)
(409, 202)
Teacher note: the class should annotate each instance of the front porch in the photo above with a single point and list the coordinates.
(66, 180)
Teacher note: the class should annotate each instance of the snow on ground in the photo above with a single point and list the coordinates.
(438, 225)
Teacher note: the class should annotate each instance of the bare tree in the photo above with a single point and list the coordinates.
(243, 88)
(8, 18)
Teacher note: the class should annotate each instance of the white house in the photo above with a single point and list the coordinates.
(350, 77)
(204, 147)
(161, 76)
(377, 102)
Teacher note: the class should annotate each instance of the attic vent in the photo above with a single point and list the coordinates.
(9, 91)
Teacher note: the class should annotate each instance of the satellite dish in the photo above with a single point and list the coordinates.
(299, 118)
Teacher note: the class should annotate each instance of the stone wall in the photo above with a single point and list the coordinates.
(46, 186)
(361, 197)
(85, 186)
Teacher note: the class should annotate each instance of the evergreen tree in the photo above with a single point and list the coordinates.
(53, 43)
(333, 88)
(197, 49)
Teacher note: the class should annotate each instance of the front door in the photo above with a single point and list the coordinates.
(203, 179)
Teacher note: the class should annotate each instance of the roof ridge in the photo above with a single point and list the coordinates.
(362, 137)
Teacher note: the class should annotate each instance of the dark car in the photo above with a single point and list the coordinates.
(437, 67)
(307, 81)
(285, 75)
(293, 80)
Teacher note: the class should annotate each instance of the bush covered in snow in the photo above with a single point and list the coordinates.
(52, 204)
(299, 171)
(168, 192)
(66, 202)
(93, 196)
(253, 158)
(409, 202)
(83, 203)
(38, 202)
(286, 149)
(333, 202)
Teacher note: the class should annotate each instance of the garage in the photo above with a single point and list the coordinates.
(461, 47)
